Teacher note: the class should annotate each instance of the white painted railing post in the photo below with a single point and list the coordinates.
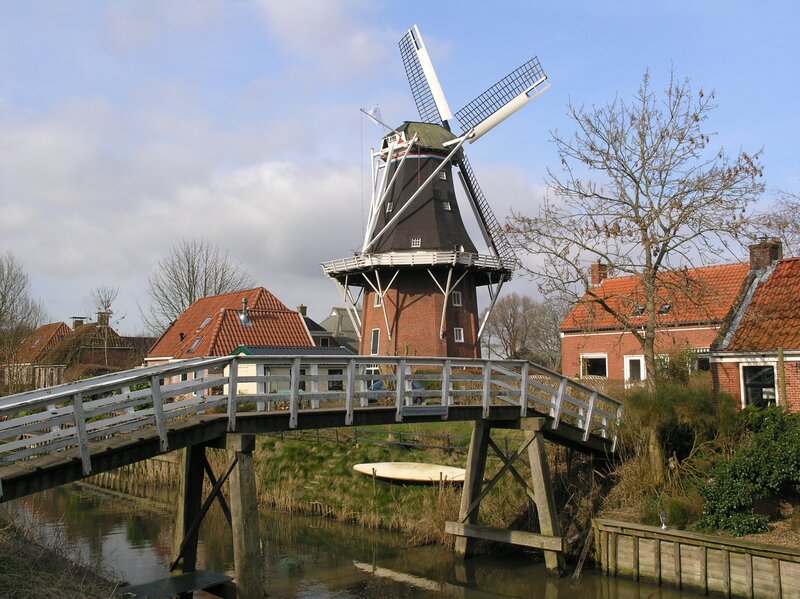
(294, 399)
(523, 389)
(233, 378)
(559, 402)
(350, 390)
(261, 369)
(83, 439)
(158, 412)
(487, 387)
(400, 388)
(314, 386)
(587, 429)
(447, 397)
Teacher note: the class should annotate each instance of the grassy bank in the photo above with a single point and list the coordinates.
(29, 570)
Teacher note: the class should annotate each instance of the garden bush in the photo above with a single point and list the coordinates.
(765, 463)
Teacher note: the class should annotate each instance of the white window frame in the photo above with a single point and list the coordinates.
(458, 334)
(458, 299)
(375, 342)
(593, 356)
(627, 362)
(446, 205)
(443, 175)
(377, 302)
(758, 362)
(416, 242)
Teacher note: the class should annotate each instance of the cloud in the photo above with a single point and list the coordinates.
(330, 35)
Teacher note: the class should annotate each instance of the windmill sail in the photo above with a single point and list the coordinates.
(490, 227)
(425, 87)
(503, 98)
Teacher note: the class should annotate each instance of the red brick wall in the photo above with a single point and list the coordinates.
(727, 379)
(414, 307)
(618, 345)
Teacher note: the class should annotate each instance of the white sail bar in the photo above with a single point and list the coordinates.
(422, 188)
(430, 75)
(377, 205)
(494, 293)
(506, 111)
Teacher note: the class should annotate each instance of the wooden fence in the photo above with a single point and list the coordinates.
(708, 563)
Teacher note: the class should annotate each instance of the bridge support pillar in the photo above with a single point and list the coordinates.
(244, 518)
(468, 531)
(190, 495)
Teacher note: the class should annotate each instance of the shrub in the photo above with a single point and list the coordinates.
(766, 462)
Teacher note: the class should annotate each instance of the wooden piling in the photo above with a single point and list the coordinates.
(543, 494)
(473, 481)
(189, 499)
(244, 519)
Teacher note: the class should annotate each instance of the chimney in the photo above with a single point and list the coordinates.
(766, 252)
(244, 305)
(598, 272)
(77, 321)
(302, 309)
(103, 318)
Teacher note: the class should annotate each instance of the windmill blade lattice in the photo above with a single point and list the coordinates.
(500, 94)
(420, 90)
(493, 229)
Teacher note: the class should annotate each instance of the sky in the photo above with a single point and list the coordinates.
(126, 126)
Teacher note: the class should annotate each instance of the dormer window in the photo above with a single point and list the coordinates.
(638, 311)
(416, 242)
(244, 318)
(664, 308)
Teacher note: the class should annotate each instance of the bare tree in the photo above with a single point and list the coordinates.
(192, 270)
(782, 220)
(661, 199)
(104, 297)
(521, 328)
(20, 314)
(641, 191)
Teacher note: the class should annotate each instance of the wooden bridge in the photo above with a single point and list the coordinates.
(62, 434)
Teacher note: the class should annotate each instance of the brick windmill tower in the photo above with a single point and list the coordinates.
(417, 273)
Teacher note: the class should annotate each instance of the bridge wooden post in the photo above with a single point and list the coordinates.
(473, 482)
(244, 519)
(543, 492)
(190, 495)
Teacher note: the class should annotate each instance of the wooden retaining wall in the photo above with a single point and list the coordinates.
(691, 560)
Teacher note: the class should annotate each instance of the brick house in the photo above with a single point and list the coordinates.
(218, 324)
(30, 371)
(692, 306)
(756, 358)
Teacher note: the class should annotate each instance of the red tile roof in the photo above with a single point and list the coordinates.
(212, 327)
(703, 295)
(772, 317)
(42, 339)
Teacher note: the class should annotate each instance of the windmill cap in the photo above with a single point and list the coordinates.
(432, 137)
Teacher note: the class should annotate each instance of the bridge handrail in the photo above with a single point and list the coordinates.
(75, 414)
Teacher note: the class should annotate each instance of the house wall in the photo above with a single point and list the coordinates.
(726, 378)
(616, 345)
(414, 307)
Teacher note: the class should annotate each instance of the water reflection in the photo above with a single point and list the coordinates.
(303, 557)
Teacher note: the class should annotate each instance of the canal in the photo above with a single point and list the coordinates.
(304, 557)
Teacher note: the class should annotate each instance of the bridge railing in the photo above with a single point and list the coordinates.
(78, 414)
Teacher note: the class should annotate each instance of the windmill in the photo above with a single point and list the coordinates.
(417, 272)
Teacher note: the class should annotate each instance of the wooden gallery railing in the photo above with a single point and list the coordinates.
(75, 414)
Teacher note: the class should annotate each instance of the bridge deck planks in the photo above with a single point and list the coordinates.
(174, 585)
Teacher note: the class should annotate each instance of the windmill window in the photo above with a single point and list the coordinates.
(664, 308)
(457, 299)
(437, 194)
(638, 311)
(375, 342)
(443, 176)
(446, 206)
(388, 207)
(458, 334)
(378, 301)
(416, 242)
(195, 343)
